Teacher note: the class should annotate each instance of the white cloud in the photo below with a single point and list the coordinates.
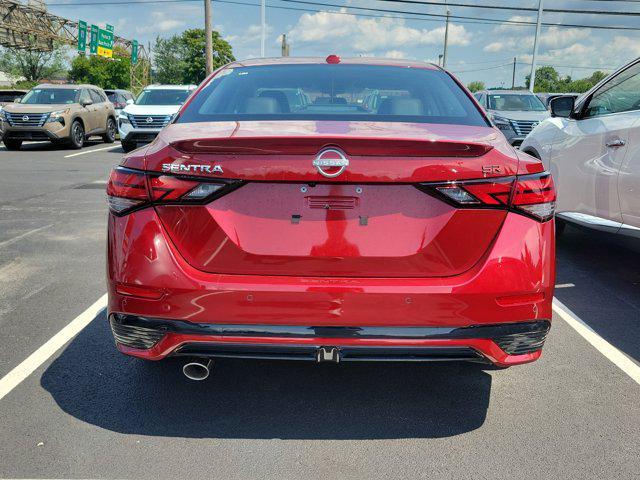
(369, 34)
(160, 23)
(397, 54)
(250, 35)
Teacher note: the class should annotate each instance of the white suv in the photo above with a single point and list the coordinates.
(591, 145)
(154, 108)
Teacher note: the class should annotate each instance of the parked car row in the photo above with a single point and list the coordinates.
(69, 114)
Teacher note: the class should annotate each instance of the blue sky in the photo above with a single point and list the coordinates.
(477, 50)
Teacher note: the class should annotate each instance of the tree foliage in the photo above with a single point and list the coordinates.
(476, 86)
(549, 80)
(180, 59)
(33, 66)
(103, 72)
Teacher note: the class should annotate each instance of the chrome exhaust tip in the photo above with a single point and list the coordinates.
(197, 370)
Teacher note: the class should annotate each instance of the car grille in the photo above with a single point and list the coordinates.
(149, 121)
(523, 127)
(26, 119)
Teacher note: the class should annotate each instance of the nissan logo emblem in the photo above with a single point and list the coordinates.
(149, 120)
(25, 118)
(330, 162)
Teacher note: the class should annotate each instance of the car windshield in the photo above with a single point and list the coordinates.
(51, 96)
(162, 97)
(333, 92)
(516, 102)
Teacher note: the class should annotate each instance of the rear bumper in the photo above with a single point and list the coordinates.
(512, 283)
(503, 344)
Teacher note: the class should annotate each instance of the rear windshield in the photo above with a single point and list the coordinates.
(162, 97)
(51, 96)
(333, 92)
(516, 102)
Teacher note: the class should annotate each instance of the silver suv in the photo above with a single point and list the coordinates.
(514, 112)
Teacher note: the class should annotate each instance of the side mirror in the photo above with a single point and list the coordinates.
(17, 100)
(562, 106)
(130, 101)
(85, 103)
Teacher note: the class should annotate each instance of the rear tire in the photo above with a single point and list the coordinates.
(12, 144)
(110, 131)
(127, 146)
(76, 137)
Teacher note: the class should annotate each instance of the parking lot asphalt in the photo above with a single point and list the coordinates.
(90, 412)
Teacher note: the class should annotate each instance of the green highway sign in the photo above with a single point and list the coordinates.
(134, 52)
(93, 44)
(105, 41)
(82, 36)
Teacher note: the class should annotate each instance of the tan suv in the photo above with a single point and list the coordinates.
(63, 114)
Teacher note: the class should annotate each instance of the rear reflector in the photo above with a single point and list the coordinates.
(531, 195)
(129, 189)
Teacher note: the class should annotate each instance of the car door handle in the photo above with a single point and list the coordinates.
(616, 143)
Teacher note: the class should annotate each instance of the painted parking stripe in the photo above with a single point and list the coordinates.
(15, 239)
(42, 354)
(618, 358)
(89, 151)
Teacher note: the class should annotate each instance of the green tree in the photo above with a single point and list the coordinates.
(549, 80)
(181, 58)
(33, 66)
(476, 86)
(103, 72)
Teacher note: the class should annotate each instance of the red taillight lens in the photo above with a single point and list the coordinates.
(531, 195)
(535, 195)
(129, 189)
(126, 190)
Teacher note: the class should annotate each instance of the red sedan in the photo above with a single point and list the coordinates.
(331, 210)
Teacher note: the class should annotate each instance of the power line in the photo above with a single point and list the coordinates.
(520, 9)
(419, 16)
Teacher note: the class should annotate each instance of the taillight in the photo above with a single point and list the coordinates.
(129, 190)
(531, 195)
(535, 195)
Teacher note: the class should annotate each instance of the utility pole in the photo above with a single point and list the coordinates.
(513, 77)
(285, 45)
(263, 39)
(446, 41)
(532, 78)
(208, 34)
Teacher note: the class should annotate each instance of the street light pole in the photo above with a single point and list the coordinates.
(446, 42)
(532, 78)
(263, 39)
(208, 34)
(513, 76)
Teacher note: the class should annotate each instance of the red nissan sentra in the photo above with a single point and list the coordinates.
(331, 210)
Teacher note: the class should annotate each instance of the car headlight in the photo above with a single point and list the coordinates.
(124, 118)
(3, 117)
(57, 116)
(501, 122)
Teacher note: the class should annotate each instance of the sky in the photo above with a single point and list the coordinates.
(478, 48)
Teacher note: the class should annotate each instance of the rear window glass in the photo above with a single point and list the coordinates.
(516, 102)
(162, 97)
(333, 92)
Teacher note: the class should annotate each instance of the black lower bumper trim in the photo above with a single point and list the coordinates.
(29, 135)
(515, 338)
(342, 354)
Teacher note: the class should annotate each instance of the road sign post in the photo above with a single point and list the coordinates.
(93, 44)
(82, 37)
(134, 52)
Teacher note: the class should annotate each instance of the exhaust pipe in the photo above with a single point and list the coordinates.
(198, 369)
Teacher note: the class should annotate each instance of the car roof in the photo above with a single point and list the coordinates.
(67, 86)
(323, 60)
(116, 90)
(506, 92)
(170, 87)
